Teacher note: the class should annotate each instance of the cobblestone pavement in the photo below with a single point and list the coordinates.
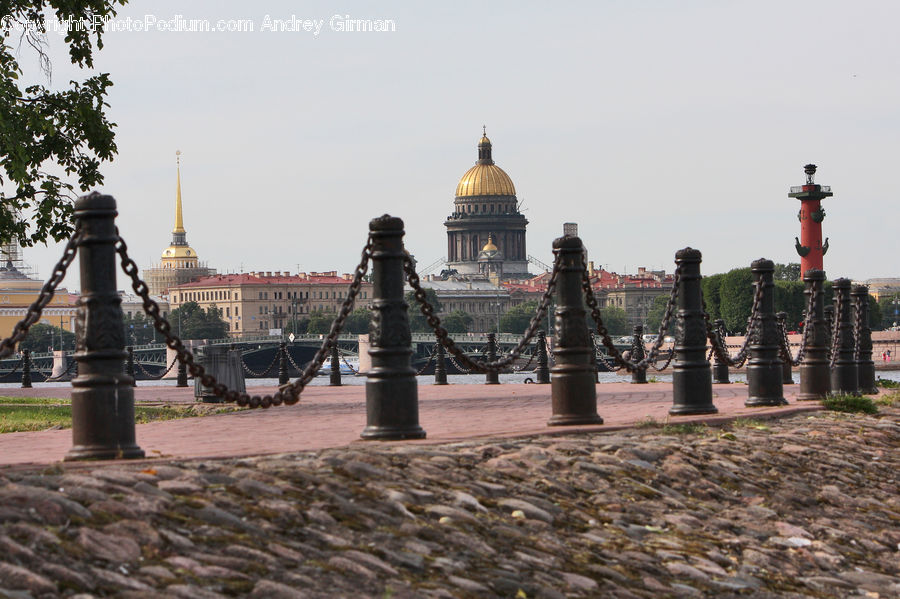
(803, 506)
(335, 416)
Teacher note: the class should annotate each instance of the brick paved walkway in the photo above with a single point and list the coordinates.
(334, 417)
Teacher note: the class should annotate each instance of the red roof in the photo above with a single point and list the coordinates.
(232, 280)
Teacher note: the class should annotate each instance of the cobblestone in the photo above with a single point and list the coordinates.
(807, 506)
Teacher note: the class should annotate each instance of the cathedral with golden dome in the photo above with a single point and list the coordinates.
(486, 232)
(179, 262)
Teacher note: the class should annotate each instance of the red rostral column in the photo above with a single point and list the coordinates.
(811, 215)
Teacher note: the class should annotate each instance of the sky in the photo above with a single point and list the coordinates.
(654, 125)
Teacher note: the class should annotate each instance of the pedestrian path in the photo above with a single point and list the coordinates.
(334, 417)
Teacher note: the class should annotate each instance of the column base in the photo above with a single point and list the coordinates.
(103, 452)
(392, 433)
(693, 410)
(574, 419)
(765, 402)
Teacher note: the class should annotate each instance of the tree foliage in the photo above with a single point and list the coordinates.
(658, 310)
(615, 319)
(139, 330)
(417, 322)
(457, 322)
(196, 323)
(44, 337)
(736, 299)
(788, 272)
(517, 318)
(52, 142)
(710, 287)
(890, 311)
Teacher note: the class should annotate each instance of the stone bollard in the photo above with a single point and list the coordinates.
(129, 366)
(392, 397)
(815, 377)
(181, 381)
(102, 394)
(283, 377)
(26, 369)
(720, 367)
(844, 375)
(491, 377)
(440, 366)
(787, 375)
(638, 377)
(573, 388)
(334, 380)
(542, 372)
(691, 376)
(764, 386)
(865, 367)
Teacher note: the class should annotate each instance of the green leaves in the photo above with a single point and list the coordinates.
(52, 143)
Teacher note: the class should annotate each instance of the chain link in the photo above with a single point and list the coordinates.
(527, 364)
(804, 340)
(289, 393)
(857, 327)
(156, 377)
(443, 337)
(8, 345)
(346, 363)
(718, 344)
(264, 372)
(836, 329)
(14, 370)
(611, 349)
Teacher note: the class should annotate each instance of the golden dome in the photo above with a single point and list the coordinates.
(179, 251)
(489, 246)
(485, 180)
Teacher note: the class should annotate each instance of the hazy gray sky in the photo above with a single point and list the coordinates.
(653, 125)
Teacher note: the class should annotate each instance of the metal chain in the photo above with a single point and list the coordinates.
(53, 379)
(610, 366)
(458, 366)
(264, 372)
(443, 337)
(804, 340)
(668, 361)
(346, 363)
(527, 364)
(430, 358)
(611, 349)
(836, 330)
(8, 345)
(857, 328)
(14, 370)
(289, 393)
(157, 377)
(291, 360)
(718, 344)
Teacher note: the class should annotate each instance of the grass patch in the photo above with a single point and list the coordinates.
(887, 384)
(686, 428)
(33, 401)
(888, 400)
(850, 403)
(750, 423)
(22, 418)
(648, 422)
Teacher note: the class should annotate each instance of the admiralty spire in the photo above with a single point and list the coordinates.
(179, 262)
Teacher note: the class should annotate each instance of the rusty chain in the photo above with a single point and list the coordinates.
(718, 344)
(804, 340)
(346, 363)
(264, 372)
(8, 345)
(857, 328)
(528, 363)
(14, 370)
(156, 377)
(443, 337)
(611, 349)
(836, 329)
(287, 394)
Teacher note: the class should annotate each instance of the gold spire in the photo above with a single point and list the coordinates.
(179, 221)
(489, 246)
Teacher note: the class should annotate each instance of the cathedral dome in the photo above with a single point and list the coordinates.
(179, 251)
(485, 178)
